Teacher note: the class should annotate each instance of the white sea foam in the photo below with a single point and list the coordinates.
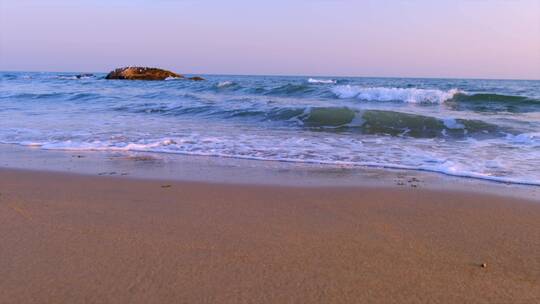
(67, 77)
(321, 81)
(524, 138)
(224, 84)
(378, 152)
(451, 123)
(411, 95)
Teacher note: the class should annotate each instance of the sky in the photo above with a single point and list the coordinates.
(382, 38)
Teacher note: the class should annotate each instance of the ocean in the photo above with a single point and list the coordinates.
(486, 129)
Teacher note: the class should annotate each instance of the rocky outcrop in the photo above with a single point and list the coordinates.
(142, 73)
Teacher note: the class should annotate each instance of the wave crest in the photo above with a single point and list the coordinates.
(322, 81)
(225, 84)
(484, 102)
(411, 95)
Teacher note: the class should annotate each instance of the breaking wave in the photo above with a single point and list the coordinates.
(494, 103)
(322, 81)
(392, 123)
(224, 84)
(411, 95)
(340, 119)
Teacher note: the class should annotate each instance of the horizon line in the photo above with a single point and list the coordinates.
(294, 75)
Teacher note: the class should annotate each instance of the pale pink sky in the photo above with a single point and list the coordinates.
(415, 38)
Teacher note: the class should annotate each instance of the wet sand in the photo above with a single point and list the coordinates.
(68, 238)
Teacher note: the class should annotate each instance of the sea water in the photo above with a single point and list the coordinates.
(487, 129)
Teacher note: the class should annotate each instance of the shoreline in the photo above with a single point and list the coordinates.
(81, 238)
(210, 169)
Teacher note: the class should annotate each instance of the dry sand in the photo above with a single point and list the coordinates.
(81, 239)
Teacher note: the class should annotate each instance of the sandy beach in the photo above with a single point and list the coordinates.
(70, 238)
(269, 152)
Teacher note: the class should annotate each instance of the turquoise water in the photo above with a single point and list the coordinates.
(487, 129)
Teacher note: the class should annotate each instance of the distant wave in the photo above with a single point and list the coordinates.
(76, 77)
(297, 90)
(58, 96)
(225, 84)
(31, 96)
(411, 95)
(322, 81)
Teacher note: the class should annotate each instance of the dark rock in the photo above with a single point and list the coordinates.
(196, 78)
(141, 73)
